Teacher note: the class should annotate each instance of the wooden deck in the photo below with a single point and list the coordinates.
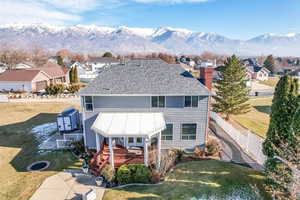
(121, 156)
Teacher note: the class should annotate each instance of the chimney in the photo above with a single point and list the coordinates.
(206, 76)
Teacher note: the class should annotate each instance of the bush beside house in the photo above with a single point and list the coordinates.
(133, 173)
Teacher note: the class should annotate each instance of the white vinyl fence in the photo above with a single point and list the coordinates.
(251, 143)
(68, 139)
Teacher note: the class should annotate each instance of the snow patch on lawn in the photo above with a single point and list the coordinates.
(245, 193)
(44, 132)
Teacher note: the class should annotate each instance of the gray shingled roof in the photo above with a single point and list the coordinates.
(145, 77)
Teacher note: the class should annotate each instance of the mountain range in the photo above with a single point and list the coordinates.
(97, 39)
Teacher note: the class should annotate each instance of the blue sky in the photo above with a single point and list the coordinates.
(239, 19)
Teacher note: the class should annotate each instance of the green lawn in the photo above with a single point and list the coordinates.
(272, 81)
(18, 148)
(197, 179)
(257, 120)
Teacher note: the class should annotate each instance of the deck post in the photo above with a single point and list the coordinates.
(111, 152)
(146, 154)
(97, 142)
(159, 150)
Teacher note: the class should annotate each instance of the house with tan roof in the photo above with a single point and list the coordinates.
(34, 79)
(23, 80)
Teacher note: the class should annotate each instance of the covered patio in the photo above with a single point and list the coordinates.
(125, 138)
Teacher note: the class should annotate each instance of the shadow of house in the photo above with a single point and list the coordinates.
(18, 135)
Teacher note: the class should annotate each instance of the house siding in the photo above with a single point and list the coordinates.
(174, 113)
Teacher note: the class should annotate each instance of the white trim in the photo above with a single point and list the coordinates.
(188, 123)
(209, 94)
(172, 131)
(111, 152)
(83, 123)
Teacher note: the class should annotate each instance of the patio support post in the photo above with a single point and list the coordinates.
(97, 142)
(159, 150)
(146, 154)
(111, 153)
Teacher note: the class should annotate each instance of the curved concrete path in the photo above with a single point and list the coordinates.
(64, 186)
(231, 151)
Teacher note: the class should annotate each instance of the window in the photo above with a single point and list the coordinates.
(191, 101)
(139, 140)
(167, 134)
(88, 100)
(130, 140)
(158, 101)
(188, 131)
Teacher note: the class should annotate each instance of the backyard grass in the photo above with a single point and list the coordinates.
(272, 81)
(198, 180)
(257, 120)
(18, 148)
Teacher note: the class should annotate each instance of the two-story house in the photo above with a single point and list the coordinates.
(131, 108)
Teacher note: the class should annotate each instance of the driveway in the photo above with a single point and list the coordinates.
(231, 151)
(65, 186)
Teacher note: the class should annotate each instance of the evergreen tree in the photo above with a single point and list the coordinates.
(75, 75)
(60, 61)
(282, 145)
(232, 91)
(71, 77)
(270, 63)
(107, 54)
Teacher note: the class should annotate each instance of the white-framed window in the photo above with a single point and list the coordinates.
(88, 103)
(191, 101)
(167, 134)
(158, 101)
(188, 131)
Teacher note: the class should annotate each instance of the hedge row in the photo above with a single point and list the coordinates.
(133, 173)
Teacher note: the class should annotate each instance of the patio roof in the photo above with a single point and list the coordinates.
(129, 124)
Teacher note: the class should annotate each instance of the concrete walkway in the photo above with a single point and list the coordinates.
(231, 151)
(64, 186)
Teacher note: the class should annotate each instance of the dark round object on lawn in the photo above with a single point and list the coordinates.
(38, 166)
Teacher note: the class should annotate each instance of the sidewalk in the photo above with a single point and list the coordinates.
(231, 152)
(63, 186)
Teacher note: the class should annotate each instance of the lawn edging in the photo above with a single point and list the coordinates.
(135, 184)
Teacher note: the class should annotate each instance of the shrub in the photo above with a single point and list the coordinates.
(199, 151)
(168, 160)
(73, 88)
(212, 147)
(133, 173)
(179, 155)
(55, 89)
(108, 173)
(155, 176)
(78, 147)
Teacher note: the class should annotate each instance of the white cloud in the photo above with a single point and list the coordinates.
(83, 5)
(31, 11)
(172, 1)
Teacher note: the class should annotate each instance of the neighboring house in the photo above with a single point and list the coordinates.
(56, 73)
(207, 63)
(255, 71)
(295, 73)
(97, 63)
(24, 65)
(186, 60)
(23, 80)
(141, 107)
(258, 73)
(3, 67)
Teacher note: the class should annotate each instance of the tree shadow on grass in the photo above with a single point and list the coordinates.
(263, 109)
(17, 135)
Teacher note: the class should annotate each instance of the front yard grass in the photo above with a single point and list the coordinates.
(195, 180)
(18, 148)
(257, 120)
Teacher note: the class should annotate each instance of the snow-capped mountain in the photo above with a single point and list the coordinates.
(96, 39)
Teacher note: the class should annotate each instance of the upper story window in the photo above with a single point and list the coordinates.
(167, 134)
(88, 103)
(188, 131)
(191, 101)
(158, 101)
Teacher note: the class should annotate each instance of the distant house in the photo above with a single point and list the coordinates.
(207, 63)
(97, 63)
(23, 80)
(186, 60)
(24, 65)
(255, 71)
(56, 73)
(295, 73)
(3, 67)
